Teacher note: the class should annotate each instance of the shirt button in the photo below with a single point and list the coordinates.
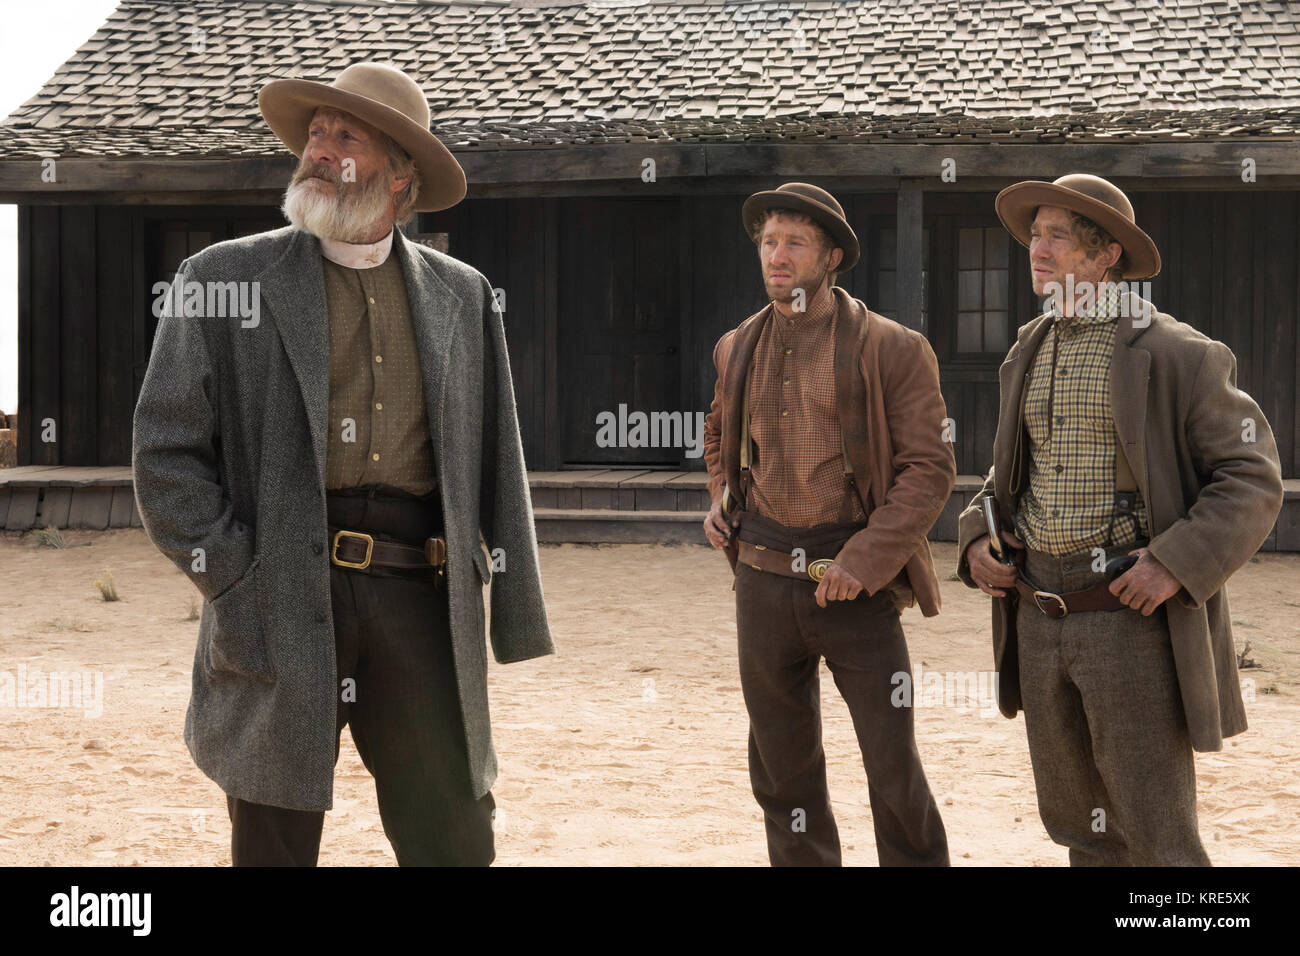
(1055, 513)
(379, 406)
(375, 457)
(785, 411)
(371, 300)
(1060, 420)
(789, 351)
(380, 358)
(317, 547)
(785, 381)
(1060, 468)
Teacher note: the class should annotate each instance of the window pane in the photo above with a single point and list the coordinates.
(969, 243)
(995, 248)
(968, 289)
(174, 250)
(995, 331)
(995, 289)
(968, 331)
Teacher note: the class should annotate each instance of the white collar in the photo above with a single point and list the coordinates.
(355, 255)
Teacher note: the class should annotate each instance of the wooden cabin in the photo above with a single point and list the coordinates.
(608, 148)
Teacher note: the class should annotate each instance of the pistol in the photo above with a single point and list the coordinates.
(996, 544)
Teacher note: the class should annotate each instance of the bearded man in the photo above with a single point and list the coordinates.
(331, 477)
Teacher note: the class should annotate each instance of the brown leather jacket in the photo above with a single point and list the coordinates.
(891, 413)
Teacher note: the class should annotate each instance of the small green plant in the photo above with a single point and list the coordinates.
(106, 586)
(50, 537)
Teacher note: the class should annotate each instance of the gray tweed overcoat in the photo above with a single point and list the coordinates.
(229, 466)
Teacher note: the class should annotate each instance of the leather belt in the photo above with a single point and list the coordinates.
(1056, 606)
(762, 558)
(359, 550)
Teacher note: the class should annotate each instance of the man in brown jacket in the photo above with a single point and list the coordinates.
(827, 467)
(1121, 432)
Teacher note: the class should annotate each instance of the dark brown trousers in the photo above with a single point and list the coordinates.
(392, 640)
(782, 636)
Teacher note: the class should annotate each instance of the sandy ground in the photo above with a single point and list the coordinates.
(627, 747)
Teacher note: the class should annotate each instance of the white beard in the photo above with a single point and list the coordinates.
(347, 212)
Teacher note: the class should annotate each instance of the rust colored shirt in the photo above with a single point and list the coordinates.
(797, 473)
(378, 431)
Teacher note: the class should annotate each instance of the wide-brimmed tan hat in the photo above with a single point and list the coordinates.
(818, 204)
(387, 99)
(1101, 201)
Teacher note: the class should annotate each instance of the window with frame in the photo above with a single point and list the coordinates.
(983, 290)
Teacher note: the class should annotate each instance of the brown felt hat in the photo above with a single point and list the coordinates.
(816, 203)
(387, 99)
(1091, 196)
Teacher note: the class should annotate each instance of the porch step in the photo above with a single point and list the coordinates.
(611, 526)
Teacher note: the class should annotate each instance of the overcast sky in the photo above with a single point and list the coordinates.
(35, 38)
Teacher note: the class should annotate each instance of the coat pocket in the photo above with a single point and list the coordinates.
(237, 643)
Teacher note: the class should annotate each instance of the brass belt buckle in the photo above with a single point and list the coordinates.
(334, 552)
(817, 570)
(1039, 595)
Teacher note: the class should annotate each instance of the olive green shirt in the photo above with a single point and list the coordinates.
(378, 426)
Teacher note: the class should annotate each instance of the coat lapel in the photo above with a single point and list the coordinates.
(852, 326)
(739, 362)
(294, 289)
(435, 312)
(1009, 453)
(1130, 371)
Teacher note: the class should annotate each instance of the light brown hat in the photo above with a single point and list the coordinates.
(817, 203)
(1101, 201)
(387, 99)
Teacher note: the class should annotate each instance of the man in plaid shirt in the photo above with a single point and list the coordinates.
(1121, 435)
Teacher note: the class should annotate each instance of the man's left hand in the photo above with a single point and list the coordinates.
(837, 585)
(1146, 585)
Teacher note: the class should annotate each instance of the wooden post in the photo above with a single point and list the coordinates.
(910, 261)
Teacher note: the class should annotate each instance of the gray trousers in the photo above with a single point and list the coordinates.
(1113, 763)
(782, 636)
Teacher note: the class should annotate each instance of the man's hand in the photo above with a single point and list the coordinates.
(988, 572)
(837, 585)
(1146, 585)
(716, 529)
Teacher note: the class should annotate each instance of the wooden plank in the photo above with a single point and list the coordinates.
(119, 514)
(612, 478)
(689, 481)
(23, 420)
(115, 378)
(560, 479)
(23, 503)
(55, 506)
(90, 508)
(41, 360)
(78, 427)
(65, 476)
(911, 259)
(651, 479)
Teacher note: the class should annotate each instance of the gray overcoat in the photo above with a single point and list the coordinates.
(229, 466)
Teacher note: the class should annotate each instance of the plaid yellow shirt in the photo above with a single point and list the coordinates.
(1069, 504)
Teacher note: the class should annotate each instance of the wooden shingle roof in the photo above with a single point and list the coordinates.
(166, 79)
